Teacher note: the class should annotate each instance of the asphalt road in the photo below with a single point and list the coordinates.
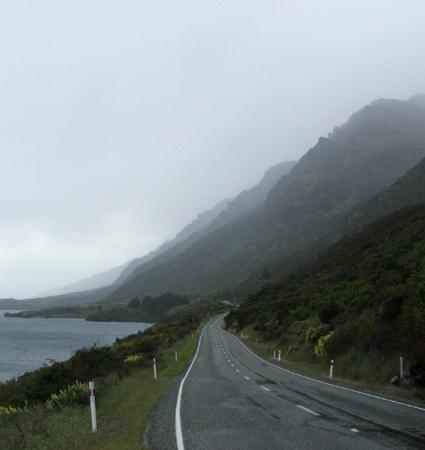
(232, 400)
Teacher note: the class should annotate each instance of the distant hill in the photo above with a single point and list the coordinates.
(357, 161)
(362, 301)
(98, 280)
(246, 202)
(72, 299)
(202, 221)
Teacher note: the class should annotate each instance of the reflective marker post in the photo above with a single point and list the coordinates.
(154, 369)
(176, 355)
(280, 355)
(331, 370)
(92, 407)
(274, 354)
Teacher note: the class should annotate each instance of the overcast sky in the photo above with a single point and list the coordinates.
(121, 120)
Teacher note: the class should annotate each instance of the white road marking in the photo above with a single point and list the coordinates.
(266, 389)
(355, 430)
(178, 423)
(326, 383)
(232, 365)
(246, 378)
(308, 410)
(237, 370)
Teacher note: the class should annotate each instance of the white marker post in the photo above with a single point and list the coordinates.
(176, 355)
(401, 369)
(274, 354)
(280, 355)
(331, 370)
(154, 369)
(92, 407)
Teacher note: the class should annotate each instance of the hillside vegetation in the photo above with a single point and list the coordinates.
(361, 302)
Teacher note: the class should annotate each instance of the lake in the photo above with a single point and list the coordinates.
(27, 344)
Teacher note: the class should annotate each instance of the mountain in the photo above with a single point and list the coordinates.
(253, 198)
(225, 212)
(408, 190)
(93, 282)
(202, 221)
(357, 161)
(361, 301)
(98, 287)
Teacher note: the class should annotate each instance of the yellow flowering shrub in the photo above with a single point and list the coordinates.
(132, 359)
(76, 393)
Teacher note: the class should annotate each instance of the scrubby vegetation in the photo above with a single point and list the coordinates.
(35, 388)
(150, 309)
(363, 302)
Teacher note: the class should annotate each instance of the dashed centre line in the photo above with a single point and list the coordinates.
(308, 410)
(246, 378)
(266, 389)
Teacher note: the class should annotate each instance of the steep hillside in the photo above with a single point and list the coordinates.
(201, 222)
(362, 301)
(355, 163)
(230, 210)
(408, 190)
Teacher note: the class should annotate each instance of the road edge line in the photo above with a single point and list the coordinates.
(336, 386)
(178, 422)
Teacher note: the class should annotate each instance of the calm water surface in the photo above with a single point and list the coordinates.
(27, 344)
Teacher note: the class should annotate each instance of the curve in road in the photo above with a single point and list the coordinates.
(232, 399)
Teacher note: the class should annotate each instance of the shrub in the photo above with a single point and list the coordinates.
(314, 333)
(132, 359)
(11, 410)
(291, 349)
(73, 394)
(328, 311)
(391, 306)
(342, 338)
(321, 347)
(417, 368)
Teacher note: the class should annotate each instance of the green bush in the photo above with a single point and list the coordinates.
(76, 393)
(314, 333)
(132, 359)
(328, 311)
(10, 410)
(321, 347)
(341, 339)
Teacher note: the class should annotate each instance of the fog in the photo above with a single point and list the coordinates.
(121, 121)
